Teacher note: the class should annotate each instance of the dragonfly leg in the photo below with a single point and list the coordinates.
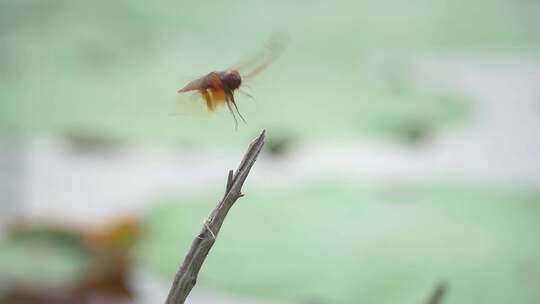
(231, 98)
(234, 116)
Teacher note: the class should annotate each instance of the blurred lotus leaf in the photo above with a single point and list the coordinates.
(357, 244)
(55, 263)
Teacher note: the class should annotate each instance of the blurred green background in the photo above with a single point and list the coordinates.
(101, 74)
(349, 244)
(100, 66)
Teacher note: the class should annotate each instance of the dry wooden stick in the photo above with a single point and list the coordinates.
(186, 277)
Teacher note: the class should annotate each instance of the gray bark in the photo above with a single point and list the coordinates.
(186, 277)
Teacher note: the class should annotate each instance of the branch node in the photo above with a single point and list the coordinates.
(208, 228)
(229, 181)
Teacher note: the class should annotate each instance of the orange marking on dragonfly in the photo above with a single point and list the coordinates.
(217, 88)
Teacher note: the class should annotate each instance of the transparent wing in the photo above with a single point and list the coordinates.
(271, 50)
(190, 104)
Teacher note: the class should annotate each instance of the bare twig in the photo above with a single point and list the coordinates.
(186, 277)
(229, 181)
(438, 293)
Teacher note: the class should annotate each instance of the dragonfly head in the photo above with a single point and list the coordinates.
(232, 79)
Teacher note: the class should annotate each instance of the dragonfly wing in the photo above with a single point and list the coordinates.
(272, 49)
(193, 104)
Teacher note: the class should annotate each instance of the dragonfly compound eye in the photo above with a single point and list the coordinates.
(233, 80)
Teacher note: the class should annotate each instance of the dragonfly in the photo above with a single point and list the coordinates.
(219, 87)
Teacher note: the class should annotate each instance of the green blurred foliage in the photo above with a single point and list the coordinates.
(356, 244)
(34, 259)
(113, 68)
